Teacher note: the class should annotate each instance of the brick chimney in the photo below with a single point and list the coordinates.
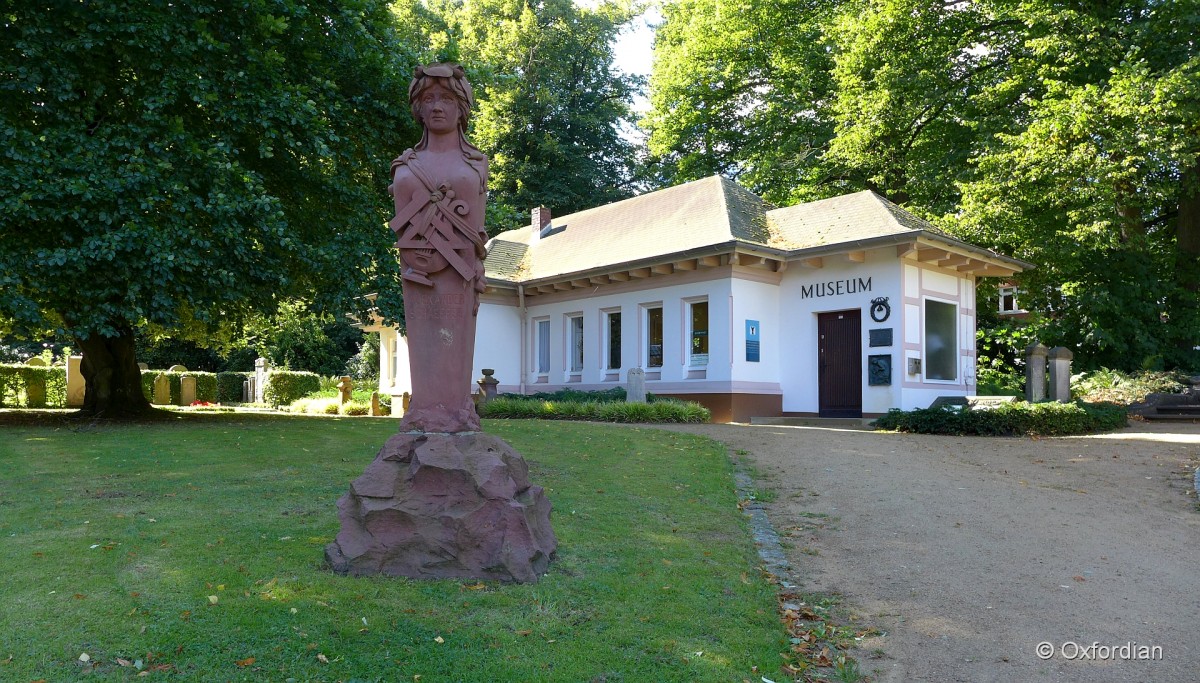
(541, 218)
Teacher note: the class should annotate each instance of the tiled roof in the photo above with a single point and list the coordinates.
(848, 218)
(704, 213)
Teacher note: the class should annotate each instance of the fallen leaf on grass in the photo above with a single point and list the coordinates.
(85, 658)
(439, 640)
(1078, 578)
(124, 662)
(524, 632)
(80, 596)
(212, 599)
(322, 658)
(245, 662)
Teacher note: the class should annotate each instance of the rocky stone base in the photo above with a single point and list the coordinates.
(443, 506)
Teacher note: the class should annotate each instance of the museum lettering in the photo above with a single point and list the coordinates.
(834, 287)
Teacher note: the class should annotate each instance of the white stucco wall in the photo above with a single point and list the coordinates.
(921, 283)
(498, 345)
(760, 301)
(798, 322)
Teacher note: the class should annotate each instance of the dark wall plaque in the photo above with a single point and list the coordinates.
(881, 336)
(879, 370)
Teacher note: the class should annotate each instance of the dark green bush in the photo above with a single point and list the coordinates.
(284, 386)
(16, 379)
(511, 407)
(229, 386)
(1009, 419)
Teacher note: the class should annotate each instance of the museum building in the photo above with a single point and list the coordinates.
(844, 307)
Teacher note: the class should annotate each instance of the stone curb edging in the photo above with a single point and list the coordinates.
(766, 539)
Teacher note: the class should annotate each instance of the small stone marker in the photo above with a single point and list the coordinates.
(35, 391)
(635, 390)
(376, 409)
(406, 400)
(487, 385)
(187, 390)
(36, 362)
(1035, 372)
(75, 384)
(985, 402)
(162, 390)
(143, 366)
(1060, 374)
(177, 368)
(345, 389)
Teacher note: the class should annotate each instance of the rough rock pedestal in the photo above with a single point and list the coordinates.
(444, 506)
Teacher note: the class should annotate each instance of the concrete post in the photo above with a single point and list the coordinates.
(1035, 372)
(635, 389)
(1060, 374)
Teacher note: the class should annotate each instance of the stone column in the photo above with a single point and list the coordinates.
(1035, 372)
(487, 385)
(1060, 374)
(261, 367)
(635, 389)
(75, 384)
(187, 390)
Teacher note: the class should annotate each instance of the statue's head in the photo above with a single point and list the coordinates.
(450, 77)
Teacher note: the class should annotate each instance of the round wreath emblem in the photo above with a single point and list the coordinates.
(880, 309)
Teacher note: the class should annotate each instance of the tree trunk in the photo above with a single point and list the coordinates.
(1187, 231)
(113, 381)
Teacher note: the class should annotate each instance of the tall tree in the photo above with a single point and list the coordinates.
(176, 166)
(1062, 132)
(552, 107)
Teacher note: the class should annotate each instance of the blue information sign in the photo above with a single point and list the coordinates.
(752, 341)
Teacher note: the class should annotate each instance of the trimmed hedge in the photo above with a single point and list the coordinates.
(508, 407)
(16, 380)
(206, 385)
(613, 395)
(229, 386)
(285, 386)
(1009, 419)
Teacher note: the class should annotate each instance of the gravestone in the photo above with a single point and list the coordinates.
(75, 383)
(1060, 374)
(1035, 372)
(177, 368)
(143, 367)
(187, 390)
(345, 387)
(162, 391)
(36, 362)
(635, 389)
(376, 409)
(442, 499)
(35, 386)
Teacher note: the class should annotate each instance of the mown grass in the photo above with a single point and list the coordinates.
(115, 537)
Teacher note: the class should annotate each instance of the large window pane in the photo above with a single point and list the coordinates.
(543, 346)
(654, 337)
(577, 344)
(699, 345)
(614, 341)
(941, 340)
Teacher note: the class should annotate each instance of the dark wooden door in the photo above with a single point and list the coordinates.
(839, 363)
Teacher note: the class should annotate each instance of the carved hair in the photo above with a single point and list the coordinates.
(449, 76)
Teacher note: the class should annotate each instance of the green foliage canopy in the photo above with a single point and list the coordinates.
(182, 165)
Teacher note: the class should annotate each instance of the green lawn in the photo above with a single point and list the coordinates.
(115, 537)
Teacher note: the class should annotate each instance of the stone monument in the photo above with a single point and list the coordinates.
(442, 499)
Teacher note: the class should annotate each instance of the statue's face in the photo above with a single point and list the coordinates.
(439, 109)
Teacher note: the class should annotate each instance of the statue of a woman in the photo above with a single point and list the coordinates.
(439, 188)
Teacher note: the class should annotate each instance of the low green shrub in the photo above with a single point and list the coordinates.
(507, 407)
(355, 408)
(1120, 387)
(329, 408)
(284, 386)
(1009, 419)
(48, 384)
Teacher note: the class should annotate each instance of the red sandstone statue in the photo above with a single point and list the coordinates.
(442, 499)
(439, 188)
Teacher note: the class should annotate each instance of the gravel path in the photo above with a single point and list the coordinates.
(969, 552)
